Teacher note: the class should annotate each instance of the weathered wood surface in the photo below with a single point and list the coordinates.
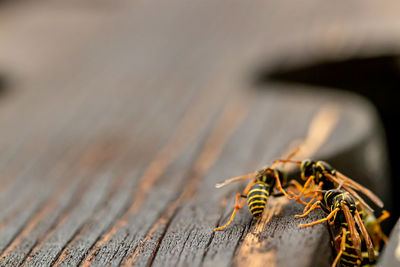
(116, 127)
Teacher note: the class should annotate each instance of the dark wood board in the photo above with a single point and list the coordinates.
(113, 200)
(116, 127)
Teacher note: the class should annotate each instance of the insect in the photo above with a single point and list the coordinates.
(257, 191)
(342, 211)
(374, 229)
(372, 224)
(324, 177)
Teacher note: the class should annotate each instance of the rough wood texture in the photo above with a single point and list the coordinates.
(131, 196)
(116, 127)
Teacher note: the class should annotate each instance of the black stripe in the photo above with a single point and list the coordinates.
(256, 204)
(261, 186)
(354, 257)
(261, 197)
(256, 210)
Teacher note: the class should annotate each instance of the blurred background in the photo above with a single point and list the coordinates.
(76, 71)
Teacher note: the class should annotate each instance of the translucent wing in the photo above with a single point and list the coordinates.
(368, 242)
(355, 237)
(359, 198)
(350, 190)
(360, 188)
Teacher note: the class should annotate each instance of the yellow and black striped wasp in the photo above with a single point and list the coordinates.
(257, 191)
(342, 211)
(319, 175)
(373, 226)
(374, 229)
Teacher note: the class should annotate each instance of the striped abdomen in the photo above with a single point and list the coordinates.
(349, 256)
(257, 198)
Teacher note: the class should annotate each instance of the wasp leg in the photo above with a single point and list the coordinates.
(342, 248)
(313, 207)
(306, 184)
(314, 197)
(277, 193)
(377, 227)
(237, 207)
(296, 184)
(384, 216)
(322, 220)
(279, 187)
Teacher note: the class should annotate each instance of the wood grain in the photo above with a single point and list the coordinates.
(116, 127)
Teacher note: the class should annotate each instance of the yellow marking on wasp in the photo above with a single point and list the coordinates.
(352, 262)
(252, 250)
(255, 196)
(258, 201)
(256, 212)
(350, 246)
(259, 190)
(326, 196)
(256, 207)
(350, 255)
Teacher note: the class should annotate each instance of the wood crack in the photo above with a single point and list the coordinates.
(153, 256)
(223, 129)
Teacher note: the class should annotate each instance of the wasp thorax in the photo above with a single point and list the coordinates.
(266, 175)
(322, 166)
(335, 199)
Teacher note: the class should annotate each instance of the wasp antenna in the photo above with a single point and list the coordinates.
(294, 153)
(318, 191)
(234, 179)
(298, 163)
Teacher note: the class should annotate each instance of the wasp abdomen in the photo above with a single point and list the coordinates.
(257, 198)
(349, 256)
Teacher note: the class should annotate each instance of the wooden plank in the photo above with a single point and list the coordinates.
(110, 149)
(139, 231)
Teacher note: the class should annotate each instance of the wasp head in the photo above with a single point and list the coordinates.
(307, 168)
(266, 175)
(321, 167)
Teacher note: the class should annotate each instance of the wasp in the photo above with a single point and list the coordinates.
(372, 224)
(342, 209)
(374, 229)
(258, 190)
(325, 177)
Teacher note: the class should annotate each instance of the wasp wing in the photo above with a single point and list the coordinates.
(351, 191)
(367, 238)
(360, 188)
(355, 237)
(358, 197)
